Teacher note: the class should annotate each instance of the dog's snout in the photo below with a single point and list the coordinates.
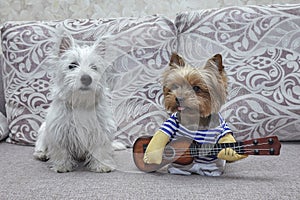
(179, 100)
(86, 80)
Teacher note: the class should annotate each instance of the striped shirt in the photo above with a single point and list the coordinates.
(174, 129)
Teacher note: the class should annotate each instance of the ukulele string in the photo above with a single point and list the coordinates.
(214, 150)
(220, 148)
(210, 153)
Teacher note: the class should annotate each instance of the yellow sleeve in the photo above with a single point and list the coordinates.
(228, 153)
(155, 149)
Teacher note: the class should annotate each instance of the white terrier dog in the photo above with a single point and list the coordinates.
(79, 124)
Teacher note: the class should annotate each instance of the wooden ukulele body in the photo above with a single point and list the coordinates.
(183, 150)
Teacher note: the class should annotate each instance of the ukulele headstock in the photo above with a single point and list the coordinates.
(262, 146)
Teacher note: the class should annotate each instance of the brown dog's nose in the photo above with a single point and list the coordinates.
(86, 80)
(179, 100)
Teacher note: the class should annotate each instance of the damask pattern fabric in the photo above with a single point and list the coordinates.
(260, 46)
(135, 49)
(77, 9)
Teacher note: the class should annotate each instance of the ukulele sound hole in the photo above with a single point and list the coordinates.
(169, 153)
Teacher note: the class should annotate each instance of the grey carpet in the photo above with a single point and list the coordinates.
(265, 177)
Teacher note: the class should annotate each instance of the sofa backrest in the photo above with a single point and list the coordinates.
(259, 45)
(136, 51)
(261, 50)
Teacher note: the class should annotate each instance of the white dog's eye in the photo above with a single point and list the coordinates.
(94, 67)
(73, 65)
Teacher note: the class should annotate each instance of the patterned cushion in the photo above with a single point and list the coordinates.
(259, 44)
(261, 51)
(136, 49)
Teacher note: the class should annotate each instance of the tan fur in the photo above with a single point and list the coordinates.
(201, 91)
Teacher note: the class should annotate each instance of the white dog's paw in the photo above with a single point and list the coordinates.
(40, 155)
(61, 168)
(101, 169)
(118, 146)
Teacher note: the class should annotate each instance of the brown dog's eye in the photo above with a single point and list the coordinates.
(174, 87)
(197, 89)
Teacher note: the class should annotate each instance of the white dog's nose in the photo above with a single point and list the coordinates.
(86, 80)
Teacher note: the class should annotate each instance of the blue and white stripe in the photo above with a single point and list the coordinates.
(174, 129)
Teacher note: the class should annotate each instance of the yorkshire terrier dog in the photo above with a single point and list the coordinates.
(194, 97)
(79, 124)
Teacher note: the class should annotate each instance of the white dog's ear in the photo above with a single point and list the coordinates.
(100, 47)
(106, 49)
(66, 43)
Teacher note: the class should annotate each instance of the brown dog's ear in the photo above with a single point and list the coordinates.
(165, 90)
(216, 61)
(176, 61)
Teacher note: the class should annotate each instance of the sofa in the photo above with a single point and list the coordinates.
(261, 53)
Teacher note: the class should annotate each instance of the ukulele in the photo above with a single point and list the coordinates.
(183, 150)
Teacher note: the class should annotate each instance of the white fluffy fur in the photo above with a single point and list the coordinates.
(79, 125)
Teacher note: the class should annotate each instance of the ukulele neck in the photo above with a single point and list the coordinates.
(261, 146)
(197, 149)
